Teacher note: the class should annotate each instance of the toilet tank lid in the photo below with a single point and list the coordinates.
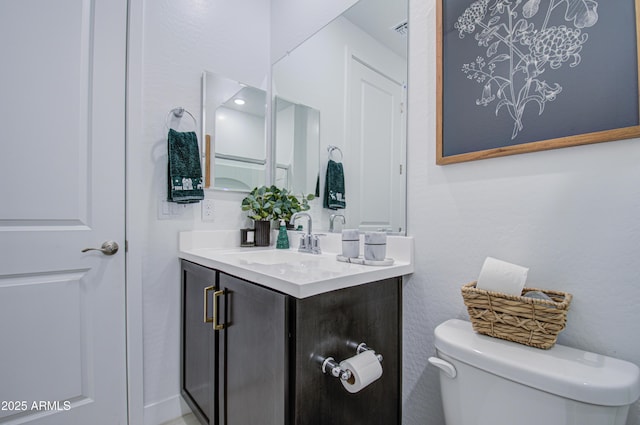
(564, 371)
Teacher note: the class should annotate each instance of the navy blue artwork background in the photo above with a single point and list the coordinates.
(601, 93)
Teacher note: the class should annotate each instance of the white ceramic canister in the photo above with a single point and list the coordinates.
(375, 246)
(350, 243)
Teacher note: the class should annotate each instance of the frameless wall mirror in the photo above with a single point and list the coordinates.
(353, 72)
(233, 124)
(297, 141)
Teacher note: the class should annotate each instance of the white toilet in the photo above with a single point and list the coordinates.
(488, 381)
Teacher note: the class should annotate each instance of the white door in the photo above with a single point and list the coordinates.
(62, 311)
(375, 168)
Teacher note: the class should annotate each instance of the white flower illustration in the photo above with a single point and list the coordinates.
(525, 51)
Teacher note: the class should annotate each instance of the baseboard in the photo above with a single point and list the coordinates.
(165, 410)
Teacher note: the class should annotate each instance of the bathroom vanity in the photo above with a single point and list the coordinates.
(257, 326)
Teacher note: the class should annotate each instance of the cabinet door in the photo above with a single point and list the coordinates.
(332, 325)
(198, 340)
(253, 354)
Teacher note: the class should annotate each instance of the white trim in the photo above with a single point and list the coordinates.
(166, 410)
(135, 239)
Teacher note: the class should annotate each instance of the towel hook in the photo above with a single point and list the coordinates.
(332, 148)
(178, 113)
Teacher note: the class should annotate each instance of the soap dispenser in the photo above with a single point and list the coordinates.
(283, 238)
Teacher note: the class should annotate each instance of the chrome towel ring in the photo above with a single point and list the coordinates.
(331, 149)
(178, 113)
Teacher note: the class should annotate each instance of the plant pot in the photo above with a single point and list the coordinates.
(263, 232)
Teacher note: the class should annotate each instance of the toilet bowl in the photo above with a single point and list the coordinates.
(489, 381)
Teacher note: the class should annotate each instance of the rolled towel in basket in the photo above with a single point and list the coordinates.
(501, 276)
(538, 295)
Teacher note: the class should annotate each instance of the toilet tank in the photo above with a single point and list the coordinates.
(489, 381)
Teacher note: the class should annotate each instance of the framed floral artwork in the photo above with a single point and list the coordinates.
(518, 76)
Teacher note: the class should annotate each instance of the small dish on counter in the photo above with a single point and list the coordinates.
(362, 260)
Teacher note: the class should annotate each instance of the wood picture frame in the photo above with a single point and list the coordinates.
(518, 76)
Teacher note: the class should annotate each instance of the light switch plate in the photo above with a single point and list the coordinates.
(169, 210)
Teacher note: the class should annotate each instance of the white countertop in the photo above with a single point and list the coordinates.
(298, 274)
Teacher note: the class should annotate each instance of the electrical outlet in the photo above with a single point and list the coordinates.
(207, 210)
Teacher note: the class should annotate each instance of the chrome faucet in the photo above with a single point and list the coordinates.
(332, 218)
(308, 241)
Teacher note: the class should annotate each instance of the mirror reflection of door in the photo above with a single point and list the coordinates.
(377, 147)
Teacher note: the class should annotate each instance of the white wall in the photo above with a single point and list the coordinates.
(572, 215)
(285, 137)
(172, 43)
(294, 21)
(240, 134)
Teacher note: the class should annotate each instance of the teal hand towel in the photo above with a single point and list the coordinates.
(334, 186)
(185, 171)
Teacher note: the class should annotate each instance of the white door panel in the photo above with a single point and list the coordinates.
(376, 150)
(62, 311)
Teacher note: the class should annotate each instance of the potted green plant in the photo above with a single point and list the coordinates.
(268, 203)
(259, 202)
(288, 204)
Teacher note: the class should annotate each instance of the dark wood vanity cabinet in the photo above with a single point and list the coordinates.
(263, 363)
(233, 364)
(198, 343)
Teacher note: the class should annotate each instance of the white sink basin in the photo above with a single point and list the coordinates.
(273, 256)
(299, 274)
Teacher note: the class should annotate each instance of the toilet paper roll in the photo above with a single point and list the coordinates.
(365, 368)
(500, 276)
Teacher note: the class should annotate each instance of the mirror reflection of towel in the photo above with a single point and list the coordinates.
(334, 186)
(185, 171)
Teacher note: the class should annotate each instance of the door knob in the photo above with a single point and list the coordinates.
(107, 248)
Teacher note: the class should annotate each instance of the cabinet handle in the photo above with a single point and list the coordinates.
(217, 326)
(206, 304)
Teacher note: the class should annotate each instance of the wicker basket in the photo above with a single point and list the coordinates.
(525, 320)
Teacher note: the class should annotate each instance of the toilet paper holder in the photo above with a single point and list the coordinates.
(330, 365)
